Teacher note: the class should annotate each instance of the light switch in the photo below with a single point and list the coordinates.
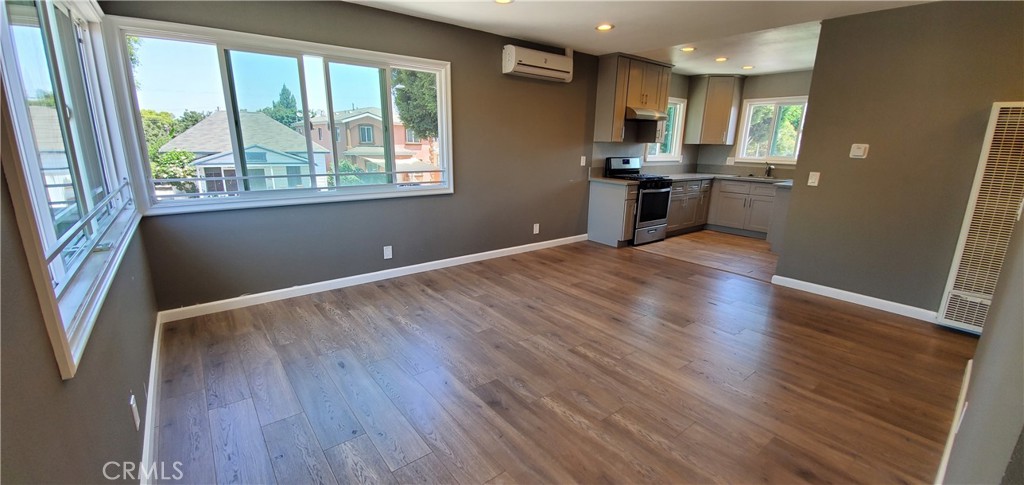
(730, 160)
(859, 150)
(812, 179)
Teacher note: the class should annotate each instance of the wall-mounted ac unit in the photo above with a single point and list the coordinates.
(520, 61)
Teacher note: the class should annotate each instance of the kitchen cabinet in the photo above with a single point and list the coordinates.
(647, 85)
(688, 206)
(743, 206)
(714, 104)
(628, 81)
(611, 214)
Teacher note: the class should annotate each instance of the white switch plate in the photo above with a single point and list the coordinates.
(583, 161)
(859, 150)
(536, 228)
(135, 410)
(730, 160)
(812, 179)
(387, 252)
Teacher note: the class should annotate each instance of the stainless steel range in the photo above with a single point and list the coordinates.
(655, 191)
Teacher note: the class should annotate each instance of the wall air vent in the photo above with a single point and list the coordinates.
(993, 209)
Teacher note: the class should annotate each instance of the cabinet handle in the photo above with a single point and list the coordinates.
(622, 135)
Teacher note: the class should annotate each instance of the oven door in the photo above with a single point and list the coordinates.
(652, 207)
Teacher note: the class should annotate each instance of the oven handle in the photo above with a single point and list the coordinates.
(653, 191)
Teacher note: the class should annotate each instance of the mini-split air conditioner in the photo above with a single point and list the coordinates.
(520, 61)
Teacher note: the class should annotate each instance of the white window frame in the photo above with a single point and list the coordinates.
(675, 155)
(114, 30)
(69, 309)
(741, 147)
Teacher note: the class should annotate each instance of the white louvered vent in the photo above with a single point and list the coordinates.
(991, 213)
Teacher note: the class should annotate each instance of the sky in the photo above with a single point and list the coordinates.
(174, 76)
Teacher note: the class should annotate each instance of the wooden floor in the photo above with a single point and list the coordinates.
(736, 254)
(579, 363)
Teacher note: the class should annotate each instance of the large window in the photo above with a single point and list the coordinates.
(668, 148)
(281, 121)
(69, 189)
(772, 129)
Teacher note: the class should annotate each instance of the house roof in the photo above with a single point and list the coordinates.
(212, 136)
(346, 115)
(46, 128)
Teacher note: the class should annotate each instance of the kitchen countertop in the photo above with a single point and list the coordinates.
(677, 177)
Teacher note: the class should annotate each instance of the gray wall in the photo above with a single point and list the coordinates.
(917, 84)
(517, 144)
(712, 158)
(995, 398)
(64, 431)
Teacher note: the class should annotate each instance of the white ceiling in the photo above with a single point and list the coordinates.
(748, 32)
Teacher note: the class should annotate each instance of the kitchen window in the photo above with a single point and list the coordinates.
(668, 148)
(240, 95)
(771, 129)
(68, 184)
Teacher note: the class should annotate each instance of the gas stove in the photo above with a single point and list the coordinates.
(628, 168)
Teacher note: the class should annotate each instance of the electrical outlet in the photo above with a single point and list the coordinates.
(387, 252)
(135, 411)
(859, 150)
(812, 178)
(536, 228)
(583, 161)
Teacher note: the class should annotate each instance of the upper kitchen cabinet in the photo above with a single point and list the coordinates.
(714, 105)
(632, 96)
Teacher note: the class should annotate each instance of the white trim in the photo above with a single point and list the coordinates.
(961, 404)
(864, 300)
(301, 290)
(149, 430)
(741, 146)
(675, 156)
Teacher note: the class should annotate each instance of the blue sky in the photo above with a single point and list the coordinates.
(174, 76)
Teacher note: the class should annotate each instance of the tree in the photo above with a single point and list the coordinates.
(175, 164)
(187, 120)
(43, 98)
(416, 99)
(133, 43)
(158, 128)
(285, 110)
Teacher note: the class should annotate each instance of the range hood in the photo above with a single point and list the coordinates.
(645, 114)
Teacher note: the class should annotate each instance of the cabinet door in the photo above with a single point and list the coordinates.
(635, 84)
(689, 217)
(676, 213)
(661, 98)
(703, 204)
(629, 220)
(718, 111)
(731, 210)
(652, 85)
(759, 213)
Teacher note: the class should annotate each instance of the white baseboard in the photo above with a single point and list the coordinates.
(864, 300)
(152, 419)
(274, 295)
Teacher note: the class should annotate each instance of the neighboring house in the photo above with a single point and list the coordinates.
(360, 141)
(271, 150)
(60, 191)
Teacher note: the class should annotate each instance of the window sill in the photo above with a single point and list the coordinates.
(757, 161)
(270, 199)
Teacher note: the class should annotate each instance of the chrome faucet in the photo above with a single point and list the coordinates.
(768, 169)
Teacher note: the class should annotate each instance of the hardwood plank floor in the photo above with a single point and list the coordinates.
(578, 363)
(736, 254)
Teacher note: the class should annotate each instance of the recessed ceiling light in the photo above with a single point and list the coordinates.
(688, 49)
(503, 2)
(748, 67)
(721, 59)
(605, 27)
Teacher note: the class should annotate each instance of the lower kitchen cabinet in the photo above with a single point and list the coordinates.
(611, 214)
(745, 206)
(688, 207)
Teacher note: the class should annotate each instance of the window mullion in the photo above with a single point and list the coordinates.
(305, 122)
(234, 127)
(330, 122)
(386, 124)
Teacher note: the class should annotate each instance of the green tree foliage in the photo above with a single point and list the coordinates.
(759, 135)
(158, 128)
(43, 98)
(188, 119)
(787, 130)
(175, 164)
(416, 99)
(133, 43)
(285, 110)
